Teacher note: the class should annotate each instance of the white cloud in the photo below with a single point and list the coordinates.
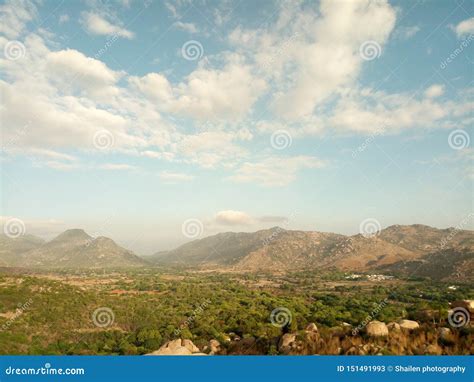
(63, 19)
(187, 27)
(434, 91)
(117, 167)
(231, 217)
(15, 15)
(465, 27)
(406, 33)
(96, 24)
(175, 177)
(275, 171)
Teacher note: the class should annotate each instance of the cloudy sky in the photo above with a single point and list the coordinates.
(154, 122)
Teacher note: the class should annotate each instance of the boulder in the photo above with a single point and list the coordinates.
(433, 350)
(177, 347)
(286, 341)
(376, 329)
(408, 324)
(312, 327)
(190, 346)
(466, 304)
(393, 326)
(214, 346)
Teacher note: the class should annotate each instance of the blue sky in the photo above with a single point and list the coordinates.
(155, 122)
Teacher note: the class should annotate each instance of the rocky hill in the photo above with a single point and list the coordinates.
(396, 248)
(71, 249)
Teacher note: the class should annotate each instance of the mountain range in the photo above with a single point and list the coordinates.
(73, 248)
(417, 250)
(410, 249)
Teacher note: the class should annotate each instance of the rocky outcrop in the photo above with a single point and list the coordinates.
(214, 347)
(305, 342)
(433, 349)
(376, 329)
(408, 325)
(178, 347)
(393, 326)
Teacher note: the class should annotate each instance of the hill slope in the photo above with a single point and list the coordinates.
(277, 249)
(11, 249)
(76, 249)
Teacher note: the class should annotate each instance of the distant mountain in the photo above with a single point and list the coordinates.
(11, 249)
(75, 249)
(277, 249)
